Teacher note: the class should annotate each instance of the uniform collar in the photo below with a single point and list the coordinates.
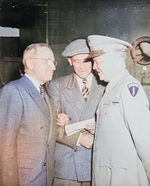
(116, 78)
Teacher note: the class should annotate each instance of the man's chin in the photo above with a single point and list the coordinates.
(82, 76)
(50, 78)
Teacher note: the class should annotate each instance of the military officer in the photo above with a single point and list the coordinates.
(121, 154)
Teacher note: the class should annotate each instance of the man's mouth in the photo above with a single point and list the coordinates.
(83, 71)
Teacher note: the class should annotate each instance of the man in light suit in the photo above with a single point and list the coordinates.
(27, 123)
(121, 152)
(73, 153)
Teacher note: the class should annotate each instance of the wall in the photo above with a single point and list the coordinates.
(127, 20)
(58, 22)
(9, 60)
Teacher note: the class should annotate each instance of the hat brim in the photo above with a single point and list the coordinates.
(96, 53)
(93, 54)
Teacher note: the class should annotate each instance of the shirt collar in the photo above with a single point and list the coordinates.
(80, 83)
(35, 83)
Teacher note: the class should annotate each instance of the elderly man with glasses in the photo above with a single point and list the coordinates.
(27, 123)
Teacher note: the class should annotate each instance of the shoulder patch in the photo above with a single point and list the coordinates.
(133, 89)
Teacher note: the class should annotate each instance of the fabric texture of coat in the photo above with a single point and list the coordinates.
(27, 133)
(71, 162)
(121, 152)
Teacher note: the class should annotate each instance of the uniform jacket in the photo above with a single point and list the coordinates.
(121, 153)
(27, 132)
(69, 163)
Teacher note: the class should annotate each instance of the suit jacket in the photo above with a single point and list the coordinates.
(27, 132)
(121, 153)
(69, 163)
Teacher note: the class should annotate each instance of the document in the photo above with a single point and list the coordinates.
(78, 126)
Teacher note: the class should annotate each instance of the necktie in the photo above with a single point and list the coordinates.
(42, 91)
(85, 89)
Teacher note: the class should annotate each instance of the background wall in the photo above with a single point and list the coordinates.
(126, 19)
(58, 22)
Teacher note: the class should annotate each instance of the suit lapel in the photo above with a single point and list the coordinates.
(95, 95)
(74, 95)
(51, 141)
(37, 98)
(52, 130)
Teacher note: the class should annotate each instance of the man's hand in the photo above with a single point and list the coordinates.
(86, 140)
(62, 119)
(92, 131)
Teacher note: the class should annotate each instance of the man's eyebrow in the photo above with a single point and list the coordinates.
(76, 60)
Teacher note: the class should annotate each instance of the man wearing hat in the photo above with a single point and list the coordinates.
(73, 104)
(121, 152)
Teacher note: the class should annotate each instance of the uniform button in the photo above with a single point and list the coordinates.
(70, 119)
(41, 127)
(47, 145)
(96, 126)
(95, 138)
(113, 165)
(44, 164)
(94, 150)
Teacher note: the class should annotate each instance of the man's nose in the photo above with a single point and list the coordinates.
(94, 66)
(54, 67)
(51, 64)
(82, 65)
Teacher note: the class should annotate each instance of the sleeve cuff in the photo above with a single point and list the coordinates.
(79, 140)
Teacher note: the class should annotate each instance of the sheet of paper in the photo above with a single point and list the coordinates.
(76, 127)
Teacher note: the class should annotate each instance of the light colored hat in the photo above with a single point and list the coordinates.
(78, 46)
(102, 44)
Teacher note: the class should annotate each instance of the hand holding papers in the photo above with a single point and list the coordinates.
(62, 119)
(78, 126)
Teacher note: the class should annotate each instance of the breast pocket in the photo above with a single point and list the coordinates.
(118, 162)
(110, 117)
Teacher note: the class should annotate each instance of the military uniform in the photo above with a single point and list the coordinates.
(121, 154)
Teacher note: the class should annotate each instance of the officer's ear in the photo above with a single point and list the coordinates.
(69, 60)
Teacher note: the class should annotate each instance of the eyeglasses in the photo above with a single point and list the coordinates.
(47, 60)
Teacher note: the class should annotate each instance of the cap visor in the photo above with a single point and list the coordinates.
(93, 54)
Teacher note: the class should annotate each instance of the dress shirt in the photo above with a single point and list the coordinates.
(80, 82)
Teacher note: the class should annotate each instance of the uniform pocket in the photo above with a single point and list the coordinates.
(121, 162)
